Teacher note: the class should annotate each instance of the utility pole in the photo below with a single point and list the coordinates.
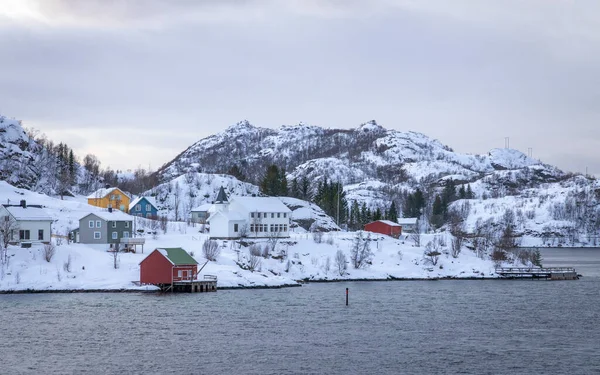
(506, 142)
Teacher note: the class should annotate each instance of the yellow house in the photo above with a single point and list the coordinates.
(109, 198)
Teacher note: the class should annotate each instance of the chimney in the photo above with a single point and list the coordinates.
(110, 209)
(23, 203)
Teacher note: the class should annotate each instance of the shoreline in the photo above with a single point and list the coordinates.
(300, 283)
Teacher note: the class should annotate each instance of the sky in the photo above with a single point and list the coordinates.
(135, 82)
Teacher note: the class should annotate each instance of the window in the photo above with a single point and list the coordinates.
(278, 215)
(98, 224)
(285, 228)
(251, 227)
(272, 230)
(115, 235)
(114, 224)
(125, 234)
(138, 207)
(40, 234)
(122, 208)
(180, 273)
(97, 235)
(91, 223)
(251, 215)
(235, 228)
(272, 215)
(284, 214)
(127, 224)
(148, 208)
(24, 234)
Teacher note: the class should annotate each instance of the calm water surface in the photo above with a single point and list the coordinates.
(419, 327)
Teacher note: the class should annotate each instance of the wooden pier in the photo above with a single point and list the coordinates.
(208, 284)
(555, 273)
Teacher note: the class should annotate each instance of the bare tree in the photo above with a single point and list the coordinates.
(211, 250)
(361, 253)
(49, 251)
(341, 262)
(115, 256)
(254, 262)
(416, 238)
(176, 200)
(432, 253)
(317, 236)
(7, 225)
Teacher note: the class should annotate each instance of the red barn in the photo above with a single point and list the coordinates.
(385, 227)
(167, 266)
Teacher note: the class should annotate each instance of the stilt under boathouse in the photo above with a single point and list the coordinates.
(174, 270)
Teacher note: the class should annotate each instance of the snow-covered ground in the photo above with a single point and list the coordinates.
(92, 267)
(292, 260)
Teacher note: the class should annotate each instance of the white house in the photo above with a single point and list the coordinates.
(31, 223)
(409, 224)
(249, 217)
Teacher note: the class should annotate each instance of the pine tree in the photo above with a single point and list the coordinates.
(377, 214)
(470, 194)
(392, 214)
(295, 192)
(462, 192)
(271, 183)
(305, 189)
(437, 212)
(236, 172)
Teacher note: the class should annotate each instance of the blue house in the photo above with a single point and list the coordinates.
(143, 207)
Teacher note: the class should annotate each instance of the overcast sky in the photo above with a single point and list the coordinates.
(135, 82)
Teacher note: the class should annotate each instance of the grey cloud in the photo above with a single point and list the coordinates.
(440, 71)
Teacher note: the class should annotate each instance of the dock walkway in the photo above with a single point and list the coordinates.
(555, 273)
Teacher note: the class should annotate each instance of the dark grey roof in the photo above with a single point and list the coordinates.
(221, 197)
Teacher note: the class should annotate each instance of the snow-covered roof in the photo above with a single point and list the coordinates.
(101, 193)
(137, 200)
(116, 215)
(28, 214)
(261, 204)
(229, 215)
(202, 208)
(390, 223)
(407, 220)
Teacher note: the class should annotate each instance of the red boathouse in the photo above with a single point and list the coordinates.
(385, 227)
(173, 269)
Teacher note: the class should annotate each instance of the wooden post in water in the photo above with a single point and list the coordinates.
(346, 296)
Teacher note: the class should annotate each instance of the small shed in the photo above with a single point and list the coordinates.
(168, 265)
(386, 227)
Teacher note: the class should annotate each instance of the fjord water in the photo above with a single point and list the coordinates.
(400, 327)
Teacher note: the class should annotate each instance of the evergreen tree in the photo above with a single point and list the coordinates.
(462, 192)
(283, 184)
(437, 212)
(295, 191)
(392, 214)
(271, 183)
(470, 194)
(377, 214)
(236, 172)
(305, 189)
(72, 176)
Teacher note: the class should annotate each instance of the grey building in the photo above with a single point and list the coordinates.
(105, 227)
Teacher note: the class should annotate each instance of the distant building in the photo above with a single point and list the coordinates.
(143, 207)
(409, 224)
(32, 224)
(386, 227)
(249, 217)
(200, 214)
(110, 198)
